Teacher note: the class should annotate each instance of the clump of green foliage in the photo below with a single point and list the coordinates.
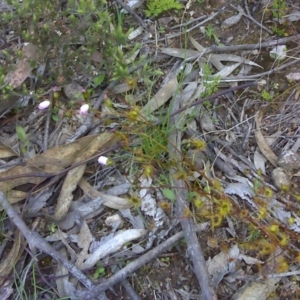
(278, 9)
(156, 7)
(69, 34)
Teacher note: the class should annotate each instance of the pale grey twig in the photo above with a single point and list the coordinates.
(36, 241)
(128, 287)
(253, 46)
(194, 248)
(223, 49)
(249, 16)
(188, 23)
(193, 27)
(47, 128)
(137, 264)
(131, 12)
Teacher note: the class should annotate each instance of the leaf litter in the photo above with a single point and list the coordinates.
(78, 202)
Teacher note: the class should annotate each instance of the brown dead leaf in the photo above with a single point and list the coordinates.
(10, 261)
(262, 144)
(100, 142)
(6, 151)
(23, 68)
(51, 161)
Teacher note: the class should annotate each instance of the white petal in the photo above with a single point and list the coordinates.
(102, 160)
(43, 105)
(84, 109)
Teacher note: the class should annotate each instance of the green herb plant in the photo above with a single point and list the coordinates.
(156, 7)
(23, 138)
(278, 9)
(211, 33)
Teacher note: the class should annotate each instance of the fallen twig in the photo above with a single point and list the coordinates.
(188, 226)
(36, 241)
(249, 16)
(137, 264)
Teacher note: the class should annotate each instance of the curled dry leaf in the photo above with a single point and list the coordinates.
(11, 259)
(234, 19)
(281, 178)
(222, 264)
(113, 245)
(259, 162)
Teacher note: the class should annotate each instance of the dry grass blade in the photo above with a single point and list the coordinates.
(261, 142)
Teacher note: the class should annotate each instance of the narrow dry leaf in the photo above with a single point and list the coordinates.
(52, 161)
(84, 240)
(113, 245)
(235, 58)
(216, 59)
(135, 221)
(61, 276)
(161, 97)
(259, 162)
(135, 33)
(234, 19)
(10, 261)
(65, 198)
(226, 71)
(180, 53)
(261, 142)
(111, 201)
(81, 210)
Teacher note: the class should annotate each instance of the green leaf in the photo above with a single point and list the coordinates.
(169, 194)
(55, 118)
(22, 136)
(98, 79)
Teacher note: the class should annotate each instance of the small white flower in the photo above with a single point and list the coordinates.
(102, 160)
(58, 32)
(84, 109)
(43, 105)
